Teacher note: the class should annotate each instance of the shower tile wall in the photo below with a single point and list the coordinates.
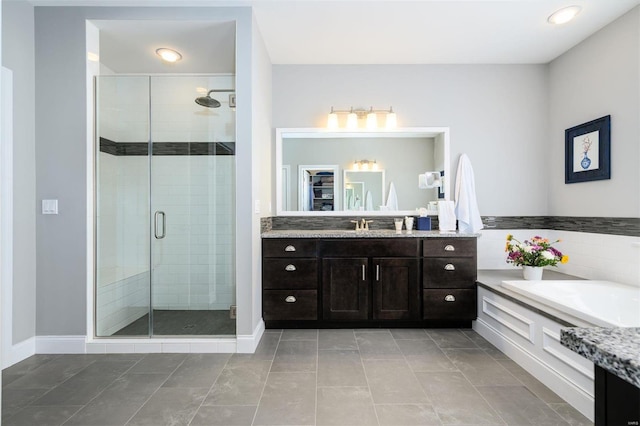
(194, 264)
(591, 256)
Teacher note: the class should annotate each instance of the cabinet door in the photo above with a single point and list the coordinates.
(396, 289)
(345, 288)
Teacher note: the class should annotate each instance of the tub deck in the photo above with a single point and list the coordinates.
(601, 303)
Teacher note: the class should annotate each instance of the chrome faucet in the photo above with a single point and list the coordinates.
(362, 224)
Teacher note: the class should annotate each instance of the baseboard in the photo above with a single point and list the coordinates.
(60, 344)
(247, 343)
(81, 345)
(19, 351)
(537, 368)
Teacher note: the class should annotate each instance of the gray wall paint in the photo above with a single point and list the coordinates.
(598, 77)
(498, 116)
(61, 154)
(18, 56)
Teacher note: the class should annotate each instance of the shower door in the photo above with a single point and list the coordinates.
(165, 208)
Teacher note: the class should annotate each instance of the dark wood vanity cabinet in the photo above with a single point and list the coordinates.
(359, 286)
(360, 281)
(449, 273)
(378, 288)
(289, 280)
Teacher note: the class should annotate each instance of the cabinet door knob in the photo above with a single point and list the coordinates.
(449, 247)
(290, 268)
(290, 299)
(449, 298)
(289, 248)
(449, 267)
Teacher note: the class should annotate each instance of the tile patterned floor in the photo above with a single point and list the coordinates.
(296, 377)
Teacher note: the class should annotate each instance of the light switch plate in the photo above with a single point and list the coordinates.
(49, 206)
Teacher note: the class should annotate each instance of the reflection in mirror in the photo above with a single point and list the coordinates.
(398, 157)
(363, 190)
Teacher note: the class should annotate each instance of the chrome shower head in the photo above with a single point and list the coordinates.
(209, 102)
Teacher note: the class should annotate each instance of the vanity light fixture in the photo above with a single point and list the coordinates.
(365, 165)
(168, 55)
(564, 15)
(352, 120)
(372, 120)
(354, 115)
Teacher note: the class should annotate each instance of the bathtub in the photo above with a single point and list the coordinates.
(601, 303)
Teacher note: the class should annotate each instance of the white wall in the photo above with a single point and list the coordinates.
(498, 116)
(591, 256)
(18, 56)
(598, 77)
(262, 161)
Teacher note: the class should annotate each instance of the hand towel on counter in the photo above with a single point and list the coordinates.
(368, 201)
(466, 210)
(392, 198)
(446, 216)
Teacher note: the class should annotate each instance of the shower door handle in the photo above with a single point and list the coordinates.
(159, 235)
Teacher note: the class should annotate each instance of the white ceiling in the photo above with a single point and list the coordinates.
(362, 32)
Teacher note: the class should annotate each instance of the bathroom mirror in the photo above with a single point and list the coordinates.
(363, 190)
(398, 155)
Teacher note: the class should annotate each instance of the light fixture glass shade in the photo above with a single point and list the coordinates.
(372, 120)
(375, 165)
(564, 15)
(356, 165)
(168, 55)
(391, 120)
(352, 120)
(332, 120)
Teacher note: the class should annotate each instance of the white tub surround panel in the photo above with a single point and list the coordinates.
(533, 341)
(591, 256)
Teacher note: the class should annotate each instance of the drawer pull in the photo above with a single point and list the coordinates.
(449, 298)
(290, 268)
(290, 299)
(449, 247)
(364, 273)
(289, 248)
(449, 267)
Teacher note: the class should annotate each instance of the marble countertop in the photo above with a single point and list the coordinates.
(617, 350)
(374, 233)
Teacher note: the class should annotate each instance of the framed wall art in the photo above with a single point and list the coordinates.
(587, 149)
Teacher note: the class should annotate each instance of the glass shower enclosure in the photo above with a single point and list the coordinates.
(165, 206)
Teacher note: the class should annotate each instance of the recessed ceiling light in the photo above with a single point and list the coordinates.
(168, 55)
(564, 15)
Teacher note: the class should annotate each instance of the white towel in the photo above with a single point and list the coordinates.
(392, 198)
(368, 201)
(446, 216)
(469, 220)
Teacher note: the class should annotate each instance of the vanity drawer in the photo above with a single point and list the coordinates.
(449, 247)
(289, 247)
(283, 305)
(449, 304)
(290, 273)
(389, 247)
(449, 272)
